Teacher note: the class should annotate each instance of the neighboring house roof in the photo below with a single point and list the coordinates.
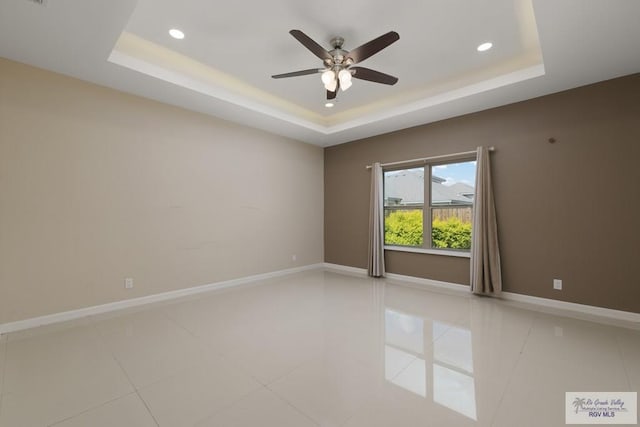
(462, 189)
(407, 188)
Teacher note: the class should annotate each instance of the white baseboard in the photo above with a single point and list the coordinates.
(437, 284)
(133, 302)
(561, 307)
(401, 278)
(571, 307)
(346, 269)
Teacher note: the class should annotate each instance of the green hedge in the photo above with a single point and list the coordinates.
(452, 234)
(405, 228)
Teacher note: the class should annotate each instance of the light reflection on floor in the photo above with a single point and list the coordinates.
(450, 369)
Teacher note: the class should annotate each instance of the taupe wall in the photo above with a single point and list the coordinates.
(568, 210)
(97, 185)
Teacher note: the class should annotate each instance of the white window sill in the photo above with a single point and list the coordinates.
(444, 252)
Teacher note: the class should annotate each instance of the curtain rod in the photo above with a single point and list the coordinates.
(425, 159)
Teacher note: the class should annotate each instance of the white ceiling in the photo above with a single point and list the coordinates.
(224, 64)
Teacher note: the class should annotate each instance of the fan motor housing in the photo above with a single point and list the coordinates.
(338, 55)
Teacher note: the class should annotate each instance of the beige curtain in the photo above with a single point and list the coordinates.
(376, 224)
(486, 278)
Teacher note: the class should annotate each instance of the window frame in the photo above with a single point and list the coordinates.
(427, 206)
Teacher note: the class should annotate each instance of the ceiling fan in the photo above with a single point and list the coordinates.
(339, 63)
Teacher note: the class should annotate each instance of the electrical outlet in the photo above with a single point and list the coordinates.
(128, 283)
(294, 257)
(557, 284)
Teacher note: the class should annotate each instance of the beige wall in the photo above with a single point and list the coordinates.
(568, 210)
(97, 185)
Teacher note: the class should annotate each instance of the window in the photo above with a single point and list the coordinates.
(445, 221)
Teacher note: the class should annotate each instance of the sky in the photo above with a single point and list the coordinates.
(457, 172)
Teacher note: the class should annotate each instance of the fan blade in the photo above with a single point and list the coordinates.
(307, 42)
(363, 52)
(373, 76)
(298, 73)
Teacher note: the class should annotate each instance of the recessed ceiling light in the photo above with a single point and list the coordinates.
(485, 46)
(329, 105)
(176, 34)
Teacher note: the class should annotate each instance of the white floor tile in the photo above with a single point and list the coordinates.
(629, 342)
(220, 318)
(315, 348)
(149, 346)
(328, 391)
(394, 405)
(561, 355)
(396, 361)
(445, 307)
(50, 329)
(197, 393)
(260, 408)
(127, 411)
(498, 336)
(54, 376)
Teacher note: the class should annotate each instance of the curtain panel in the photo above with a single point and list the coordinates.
(376, 223)
(486, 276)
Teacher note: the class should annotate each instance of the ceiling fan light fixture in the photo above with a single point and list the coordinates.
(331, 86)
(328, 77)
(345, 79)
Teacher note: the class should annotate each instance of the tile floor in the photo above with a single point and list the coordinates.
(312, 349)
